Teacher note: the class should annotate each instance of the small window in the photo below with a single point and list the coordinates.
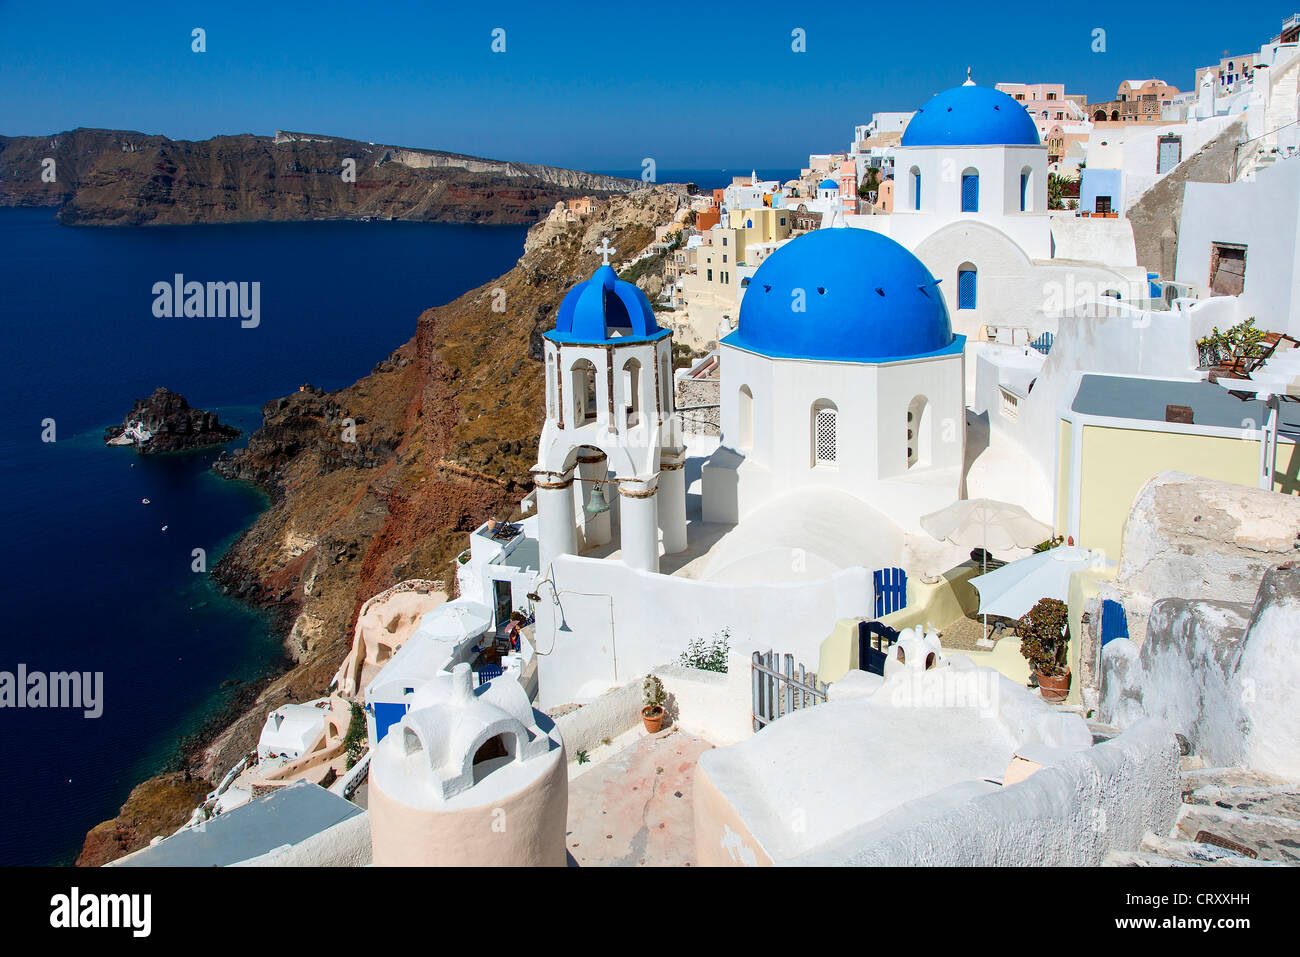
(916, 188)
(1103, 204)
(970, 191)
(1227, 269)
(825, 437)
(966, 286)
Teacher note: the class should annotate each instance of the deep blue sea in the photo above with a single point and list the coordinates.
(91, 582)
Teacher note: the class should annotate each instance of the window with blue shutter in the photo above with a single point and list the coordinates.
(916, 189)
(1024, 190)
(966, 279)
(970, 192)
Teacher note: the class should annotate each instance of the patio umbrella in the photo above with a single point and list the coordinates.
(1013, 589)
(456, 620)
(986, 523)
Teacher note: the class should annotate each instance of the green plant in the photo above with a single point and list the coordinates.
(708, 655)
(1045, 637)
(1242, 341)
(583, 757)
(354, 742)
(870, 182)
(653, 692)
(1049, 544)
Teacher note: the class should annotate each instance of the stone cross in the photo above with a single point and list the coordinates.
(605, 250)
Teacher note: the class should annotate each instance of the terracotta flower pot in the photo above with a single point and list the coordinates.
(653, 719)
(1054, 688)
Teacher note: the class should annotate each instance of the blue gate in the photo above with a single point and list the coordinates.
(1044, 343)
(874, 640)
(891, 590)
(1114, 623)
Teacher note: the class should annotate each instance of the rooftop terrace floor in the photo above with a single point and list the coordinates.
(635, 808)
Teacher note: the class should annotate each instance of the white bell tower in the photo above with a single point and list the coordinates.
(611, 430)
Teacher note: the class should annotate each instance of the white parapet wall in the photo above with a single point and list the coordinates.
(1069, 814)
(620, 623)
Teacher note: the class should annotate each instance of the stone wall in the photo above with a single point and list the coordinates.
(697, 402)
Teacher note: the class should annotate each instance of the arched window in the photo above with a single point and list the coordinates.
(632, 392)
(1026, 189)
(582, 376)
(825, 433)
(1114, 114)
(666, 384)
(970, 190)
(966, 282)
(550, 386)
(916, 187)
(918, 433)
(745, 414)
(1099, 116)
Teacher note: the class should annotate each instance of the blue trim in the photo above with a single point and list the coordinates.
(574, 339)
(957, 345)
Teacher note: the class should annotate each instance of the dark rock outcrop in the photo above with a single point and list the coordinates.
(121, 178)
(171, 426)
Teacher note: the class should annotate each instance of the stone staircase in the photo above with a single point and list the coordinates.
(1278, 114)
(1230, 817)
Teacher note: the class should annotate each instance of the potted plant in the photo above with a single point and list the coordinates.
(1044, 641)
(652, 714)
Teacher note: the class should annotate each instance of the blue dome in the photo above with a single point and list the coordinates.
(865, 299)
(829, 184)
(971, 116)
(605, 308)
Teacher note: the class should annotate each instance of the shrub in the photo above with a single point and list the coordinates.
(708, 655)
(354, 742)
(1045, 637)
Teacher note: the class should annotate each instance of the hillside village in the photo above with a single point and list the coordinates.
(957, 475)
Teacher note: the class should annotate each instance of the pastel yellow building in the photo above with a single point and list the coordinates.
(1121, 431)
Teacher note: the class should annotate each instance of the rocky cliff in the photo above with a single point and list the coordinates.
(113, 177)
(381, 481)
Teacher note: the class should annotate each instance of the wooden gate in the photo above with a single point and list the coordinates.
(874, 640)
(891, 590)
(779, 689)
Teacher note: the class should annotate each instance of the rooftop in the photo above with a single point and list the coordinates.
(1133, 397)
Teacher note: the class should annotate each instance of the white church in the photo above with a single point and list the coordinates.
(971, 203)
(842, 423)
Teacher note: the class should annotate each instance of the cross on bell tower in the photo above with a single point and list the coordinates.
(605, 250)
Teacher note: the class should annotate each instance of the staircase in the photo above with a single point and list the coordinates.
(1230, 817)
(1278, 114)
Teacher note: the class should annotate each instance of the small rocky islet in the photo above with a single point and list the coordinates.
(165, 422)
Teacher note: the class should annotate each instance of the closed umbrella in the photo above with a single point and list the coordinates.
(456, 621)
(1013, 589)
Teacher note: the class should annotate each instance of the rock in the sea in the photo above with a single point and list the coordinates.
(164, 422)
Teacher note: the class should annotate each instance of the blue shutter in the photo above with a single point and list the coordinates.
(916, 189)
(1024, 188)
(966, 280)
(970, 193)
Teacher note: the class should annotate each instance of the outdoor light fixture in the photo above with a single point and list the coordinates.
(597, 503)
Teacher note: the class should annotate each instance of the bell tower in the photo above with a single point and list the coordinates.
(612, 432)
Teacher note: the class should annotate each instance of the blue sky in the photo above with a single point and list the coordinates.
(587, 85)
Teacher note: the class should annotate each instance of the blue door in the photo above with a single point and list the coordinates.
(891, 590)
(966, 280)
(970, 192)
(387, 714)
